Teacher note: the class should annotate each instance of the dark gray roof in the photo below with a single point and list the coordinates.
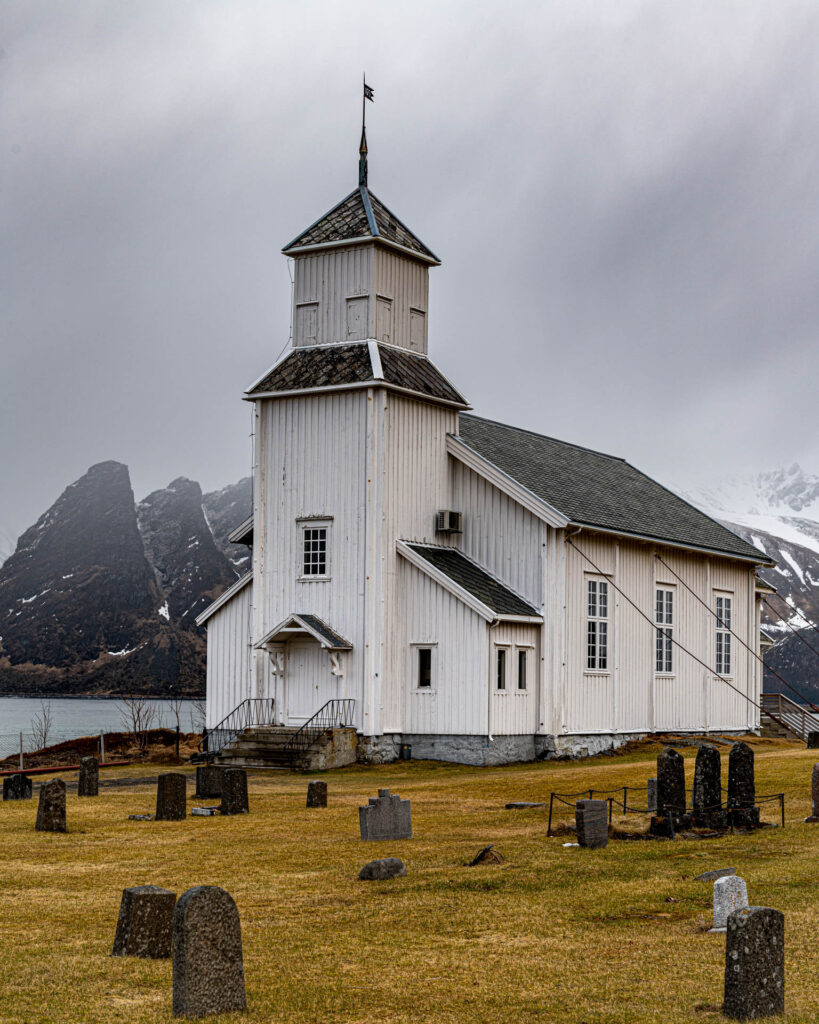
(361, 215)
(337, 365)
(597, 490)
(333, 639)
(473, 578)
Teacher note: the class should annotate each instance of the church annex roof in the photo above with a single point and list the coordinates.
(596, 490)
(329, 366)
(471, 577)
(360, 216)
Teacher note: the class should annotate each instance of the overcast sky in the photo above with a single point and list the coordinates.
(624, 197)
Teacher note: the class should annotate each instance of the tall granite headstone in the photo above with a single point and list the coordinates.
(208, 971)
(89, 783)
(670, 794)
(730, 894)
(234, 791)
(171, 796)
(385, 817)
(742, 811)
(706, 798)
(17, 787)
(592, 821)
(814, 795)
(145, 923)
(317, 794)
(755, 964)
(51, 809)
(208, 781)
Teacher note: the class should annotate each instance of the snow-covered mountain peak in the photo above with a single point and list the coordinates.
(786, 491)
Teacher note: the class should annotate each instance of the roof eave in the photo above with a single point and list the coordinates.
(357, 386)
(663, 541)
(341, 243)
(223, 598)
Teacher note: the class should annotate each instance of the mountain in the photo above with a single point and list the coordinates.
(100, 595)
(224, 511)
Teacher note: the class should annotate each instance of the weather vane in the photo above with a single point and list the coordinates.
(369, 94)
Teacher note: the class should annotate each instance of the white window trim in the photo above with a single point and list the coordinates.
(414, 647)
(503, 645)
(311, 523)
(726, 632)
(597, 578)
(525, 648)
(672, 626)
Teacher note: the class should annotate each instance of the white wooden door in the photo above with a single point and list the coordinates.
(308, 681)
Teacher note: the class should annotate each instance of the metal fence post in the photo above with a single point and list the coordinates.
(102, 748)
(21, 750)
(551, 803)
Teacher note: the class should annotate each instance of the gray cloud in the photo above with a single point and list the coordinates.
(623, 196)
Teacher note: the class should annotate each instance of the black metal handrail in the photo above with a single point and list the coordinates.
(335, 714)
(253, 711)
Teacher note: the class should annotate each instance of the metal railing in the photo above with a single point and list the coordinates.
(795, 717)
(335, 714)
(251, 712)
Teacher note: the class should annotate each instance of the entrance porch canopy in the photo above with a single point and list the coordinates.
(302, 626)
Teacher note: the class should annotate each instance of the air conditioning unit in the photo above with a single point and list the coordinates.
(448, 522)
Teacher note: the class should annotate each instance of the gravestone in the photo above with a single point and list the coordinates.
(377, 870)
(592, 820)
(706, 797)
(208, 781)
(670, 813)
(51, 809)
(171, 797)
(712, 876)
(89, 783)
(813, 741)
(488, 855)
(208, 972)
(145, 922)
(234, 792)
(316, 794)
(17, 787)
(730, 894)
(385, 817)
(741, 787)
(522, 805)
(814, 795)
(755, 964)
(651, 796)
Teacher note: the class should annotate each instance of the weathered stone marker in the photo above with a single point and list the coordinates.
(712, 876)
(145, 923)
(755, 964)
(17, 787)
(813, 741)
(208, 781)
(89, 783)
(651, 796)
(741, 787)
(730, 894)
(814, 795)
(51, 809)
(234, 792)
(208, 971)
(171, 797)
(670, 794)
(385, 817)
(592, 821)
(316, 794)
(522, 805)
(377, 870)
(706, 798)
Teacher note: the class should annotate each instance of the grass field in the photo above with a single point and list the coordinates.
(554, 934)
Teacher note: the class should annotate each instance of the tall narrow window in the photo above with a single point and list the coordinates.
(501, 668)
(723, 651)
(664, 643)
(424, 668)
(597, 624)
(522, 658)
(315, 550)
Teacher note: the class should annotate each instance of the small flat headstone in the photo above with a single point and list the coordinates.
(204, 812)
(89, 781)
(234, 792)
(140, 817)
(145, 923)
(171, 797)
(814, 793)
(755, 964)
(488, 855)
(51, 809)
(208, 971)
(17, 787)
(385, 817)
(712, 876)
(208, 781)
(522, 805)
(730, 894)
(317, 794)
(377, 870)
(592, 821)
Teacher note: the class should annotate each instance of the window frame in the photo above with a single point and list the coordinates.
(597, 625)
(664, 625)
(315, 523)
(415, 647)
(723, 646)
(524, 651)
(502, 659)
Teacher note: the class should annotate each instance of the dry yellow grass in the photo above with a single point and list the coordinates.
(554, 934)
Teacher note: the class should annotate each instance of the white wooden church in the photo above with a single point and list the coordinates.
(476, 591)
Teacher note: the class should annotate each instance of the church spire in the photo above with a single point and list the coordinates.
(369, 94)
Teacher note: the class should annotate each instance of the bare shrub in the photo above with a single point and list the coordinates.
(199, 713)
(41, 725)
(137, 715)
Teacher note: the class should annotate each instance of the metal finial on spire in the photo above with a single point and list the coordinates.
(369, 94)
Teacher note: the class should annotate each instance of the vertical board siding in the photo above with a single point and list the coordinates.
(514, 711)
(406, 283)
(229, 679)
(330, 278)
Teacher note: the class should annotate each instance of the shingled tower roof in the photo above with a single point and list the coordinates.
(361, 217)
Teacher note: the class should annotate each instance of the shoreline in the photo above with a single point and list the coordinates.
(92, 696)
